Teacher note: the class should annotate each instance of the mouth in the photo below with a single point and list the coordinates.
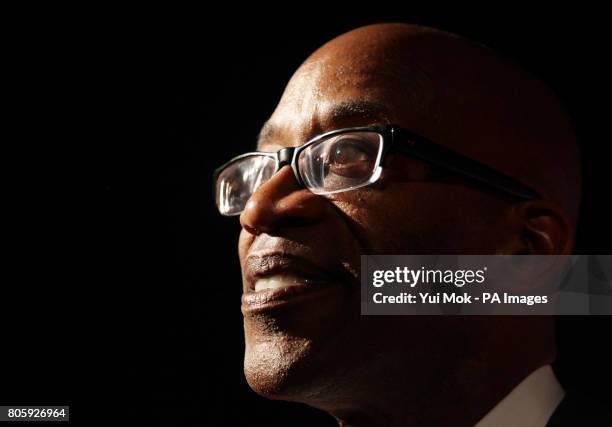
(277, 280)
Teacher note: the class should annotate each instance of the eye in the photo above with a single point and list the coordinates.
(350, 157)
(349, 150)
(341, 161)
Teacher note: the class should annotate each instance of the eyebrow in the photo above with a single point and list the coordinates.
(344, 110)
(358, 108)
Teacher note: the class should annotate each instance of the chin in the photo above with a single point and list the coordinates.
(276, 367)
(290, 346)
(285, 358)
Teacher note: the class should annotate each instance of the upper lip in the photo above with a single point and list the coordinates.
(258, 266)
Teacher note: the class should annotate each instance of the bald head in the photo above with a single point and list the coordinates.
(457, 93)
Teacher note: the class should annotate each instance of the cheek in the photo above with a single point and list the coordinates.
(416, 218)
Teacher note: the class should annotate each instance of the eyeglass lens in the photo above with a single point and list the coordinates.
(338, 163)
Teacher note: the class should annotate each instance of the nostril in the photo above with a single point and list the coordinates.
(251, 230)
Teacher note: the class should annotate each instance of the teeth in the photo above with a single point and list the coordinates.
(278, 281)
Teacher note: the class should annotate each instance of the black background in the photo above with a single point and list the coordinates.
(122, 283)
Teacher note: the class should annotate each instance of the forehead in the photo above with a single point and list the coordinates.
(319, 84)
(330, 115)
(329, 94)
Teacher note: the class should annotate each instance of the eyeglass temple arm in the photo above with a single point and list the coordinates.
(418, 146)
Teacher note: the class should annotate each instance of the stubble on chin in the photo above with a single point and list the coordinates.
(272, 361)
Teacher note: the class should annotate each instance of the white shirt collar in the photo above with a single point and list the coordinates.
(529, 404)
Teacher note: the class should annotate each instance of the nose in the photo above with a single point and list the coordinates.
(281, 202)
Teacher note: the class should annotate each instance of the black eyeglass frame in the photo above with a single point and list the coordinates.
(398, 139)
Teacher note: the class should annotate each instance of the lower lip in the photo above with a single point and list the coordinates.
(271, 299)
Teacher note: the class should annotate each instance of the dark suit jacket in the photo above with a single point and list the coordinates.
(579, 410)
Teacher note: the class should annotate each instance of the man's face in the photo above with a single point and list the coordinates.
(300, 253)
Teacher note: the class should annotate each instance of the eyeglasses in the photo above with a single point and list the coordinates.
(344, 160)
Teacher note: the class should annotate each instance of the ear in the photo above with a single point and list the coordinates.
(543, 228)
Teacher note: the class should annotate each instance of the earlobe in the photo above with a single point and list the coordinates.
(546, 228)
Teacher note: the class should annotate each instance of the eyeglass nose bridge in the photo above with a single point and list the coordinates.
(284, 156)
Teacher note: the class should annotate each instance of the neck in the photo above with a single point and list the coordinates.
(459, 400)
